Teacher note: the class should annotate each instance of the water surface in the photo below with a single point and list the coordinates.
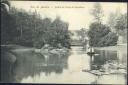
(35, 68)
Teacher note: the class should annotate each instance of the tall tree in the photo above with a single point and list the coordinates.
(96, 32)
(112, 19)
(97, 12)
(6, 22)
(121, 24)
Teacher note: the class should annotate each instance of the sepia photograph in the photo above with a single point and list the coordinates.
(63, 42)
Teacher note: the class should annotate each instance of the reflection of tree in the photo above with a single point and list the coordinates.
(7, 59)
(55, 64)
(6, 66)
(103, 57)
(36, 64)
(122, 56)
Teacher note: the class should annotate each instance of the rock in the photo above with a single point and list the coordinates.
(122, 71)
(37, 50)
(54, 51)
(46, 46)
(85, 70)
(113, 71)
(48, 50)
(121, 66)
(45, 52)
(106, 73)
(102, 70)
(96, 72)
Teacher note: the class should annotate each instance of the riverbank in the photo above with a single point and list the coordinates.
(114, 48)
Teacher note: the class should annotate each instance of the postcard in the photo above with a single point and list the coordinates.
(62, 42)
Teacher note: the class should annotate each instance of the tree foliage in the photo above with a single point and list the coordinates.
(83, 33)
(118, 24)
(97, 12)
(109, 40)
(121, 24)
(29, 29)
(101, 35)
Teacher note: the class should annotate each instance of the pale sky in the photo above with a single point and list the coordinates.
(78, 16)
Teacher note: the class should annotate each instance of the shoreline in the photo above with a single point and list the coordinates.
(113, 48)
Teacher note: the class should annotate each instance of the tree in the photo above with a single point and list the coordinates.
(97, 12)
(42, 33)
(118, 24)
(82, 33)
(7, 23)
(5, 6)
(100, 34)
(96, 32)
(108, 40)
(29, 29)
(121, 24)
(58, 33)
(112, 20)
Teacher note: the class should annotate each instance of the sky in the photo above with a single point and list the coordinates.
(77, 14)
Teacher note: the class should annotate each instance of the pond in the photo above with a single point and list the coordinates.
(68, 68)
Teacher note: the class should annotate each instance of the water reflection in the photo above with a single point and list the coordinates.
(68, 68)
(64, 69)
(111, 58)
(106, 56)
(103, 57)
(78, 59)
(122, 57)
(31, 68)
(111, 79)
